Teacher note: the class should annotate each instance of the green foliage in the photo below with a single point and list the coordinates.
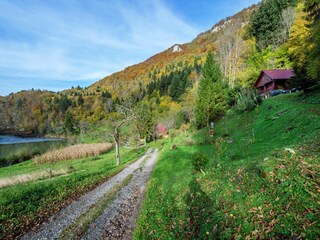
(106, 94)
(173, 84)
(212, 99)
(312, 7)
(247, 100)
(70, 125)
(80, 100)
(263, 60)
(63, 103)
(143, 120)
(266, 22)
(311, 96)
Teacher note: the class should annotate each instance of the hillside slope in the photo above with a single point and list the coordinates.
(257, 178)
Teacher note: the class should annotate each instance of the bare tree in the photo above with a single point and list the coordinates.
(230, 44)
(287, 19)
(124, 114)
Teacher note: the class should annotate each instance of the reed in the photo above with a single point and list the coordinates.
(73, 152)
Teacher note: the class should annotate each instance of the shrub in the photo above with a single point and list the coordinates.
(247, 100)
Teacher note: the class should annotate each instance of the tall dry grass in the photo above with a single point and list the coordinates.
(73, 152)
(23, 178)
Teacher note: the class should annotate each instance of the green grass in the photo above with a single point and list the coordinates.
(23, 205)
(164, 203)
(248, 183)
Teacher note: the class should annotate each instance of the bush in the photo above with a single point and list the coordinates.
(247, 100)
(311, 95)
(21, 155)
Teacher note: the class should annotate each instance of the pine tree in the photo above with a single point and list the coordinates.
(212, 99)
(266, 22)
(69, 124)
(80, 100)
(175, 88)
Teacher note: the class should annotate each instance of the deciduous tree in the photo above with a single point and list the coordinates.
(117, 120)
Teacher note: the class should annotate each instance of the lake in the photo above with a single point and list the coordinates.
(17, 149)
(9, 139)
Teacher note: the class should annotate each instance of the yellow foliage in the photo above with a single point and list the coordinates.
(297, 44)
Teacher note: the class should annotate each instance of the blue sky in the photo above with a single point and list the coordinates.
(56, 44)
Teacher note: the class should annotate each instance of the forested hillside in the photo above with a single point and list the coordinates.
(276, 34)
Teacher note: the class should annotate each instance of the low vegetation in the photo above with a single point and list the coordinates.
(258, 177)
(25, 205)
(15, 153)
(73, 152)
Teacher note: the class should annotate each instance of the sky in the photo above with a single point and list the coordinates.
(57, 44)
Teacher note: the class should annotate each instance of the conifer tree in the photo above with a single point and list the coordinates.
(212, 99)
(266, 22)
(80, 100)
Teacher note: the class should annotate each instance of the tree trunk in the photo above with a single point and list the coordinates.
(116, 138)
(117, 143)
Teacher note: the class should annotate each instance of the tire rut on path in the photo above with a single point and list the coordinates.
(118, 219)
(52, 228)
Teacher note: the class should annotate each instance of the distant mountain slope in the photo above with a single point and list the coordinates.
(73, 110)
(131, 76)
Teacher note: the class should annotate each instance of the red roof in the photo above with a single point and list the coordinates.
(280, 73)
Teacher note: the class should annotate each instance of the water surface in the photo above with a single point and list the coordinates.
(17, 149)
(9, 139)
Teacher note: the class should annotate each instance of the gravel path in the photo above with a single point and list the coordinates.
(57, 223)
(118, 219)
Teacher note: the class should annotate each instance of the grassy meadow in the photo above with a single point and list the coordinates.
(22, 205)
(257, 178)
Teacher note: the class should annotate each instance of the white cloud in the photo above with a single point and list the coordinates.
(74, 40)
(152, 25)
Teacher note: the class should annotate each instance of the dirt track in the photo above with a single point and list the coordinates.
(118, 220)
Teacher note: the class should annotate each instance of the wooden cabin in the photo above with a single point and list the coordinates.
(269, 80)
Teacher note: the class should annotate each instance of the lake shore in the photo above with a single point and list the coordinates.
(20, 133)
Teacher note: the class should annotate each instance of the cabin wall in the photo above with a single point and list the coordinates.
(264, 80)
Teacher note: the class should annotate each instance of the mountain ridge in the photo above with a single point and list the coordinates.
(199, 46)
